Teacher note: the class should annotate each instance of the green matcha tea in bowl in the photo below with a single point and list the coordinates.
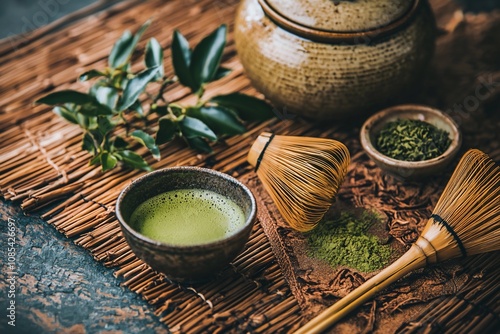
(186, 222)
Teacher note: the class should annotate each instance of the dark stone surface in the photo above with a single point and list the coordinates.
(59, 287)
(20, 16)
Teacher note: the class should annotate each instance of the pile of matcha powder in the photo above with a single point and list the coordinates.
(347, 242)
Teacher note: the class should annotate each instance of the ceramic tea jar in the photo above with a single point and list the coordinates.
(326, 59)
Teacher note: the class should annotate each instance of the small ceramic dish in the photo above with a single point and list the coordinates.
(410, 169)
(186, 263)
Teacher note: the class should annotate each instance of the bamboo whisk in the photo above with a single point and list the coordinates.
(301, 174)
(466, 221)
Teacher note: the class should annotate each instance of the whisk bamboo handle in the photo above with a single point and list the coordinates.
(413, 259)
(258, 147)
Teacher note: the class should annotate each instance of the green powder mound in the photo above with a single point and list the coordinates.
(347, 242)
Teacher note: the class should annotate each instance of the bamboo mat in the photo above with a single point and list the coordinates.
(44, 170)
(41, 162)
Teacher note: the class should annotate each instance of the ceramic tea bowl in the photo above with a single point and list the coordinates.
(410, 170)
(186, 263)
(324, 59)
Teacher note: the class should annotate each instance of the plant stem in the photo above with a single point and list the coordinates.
(96, 145)
(199, 93)
(163, 86)
(127, 124)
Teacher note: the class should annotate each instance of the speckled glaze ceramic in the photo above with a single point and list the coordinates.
(325, 59)
(185, 263)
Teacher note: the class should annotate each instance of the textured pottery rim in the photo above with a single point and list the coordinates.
(329, 36)
(383, 116)
(158, 244)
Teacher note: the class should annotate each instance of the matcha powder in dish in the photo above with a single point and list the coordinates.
(347, 242)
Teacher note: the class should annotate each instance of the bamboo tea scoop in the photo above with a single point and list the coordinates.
(466, 221)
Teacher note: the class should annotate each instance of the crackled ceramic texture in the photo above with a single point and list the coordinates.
(331, 80)
(187, 264)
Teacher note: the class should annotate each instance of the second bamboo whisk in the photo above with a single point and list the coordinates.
(301, 174)
(465, 221)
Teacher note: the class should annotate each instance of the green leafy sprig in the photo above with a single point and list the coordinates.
(113, 117)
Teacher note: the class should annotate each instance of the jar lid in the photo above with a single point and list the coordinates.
(342, 20)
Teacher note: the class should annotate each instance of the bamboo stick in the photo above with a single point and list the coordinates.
(125, 258)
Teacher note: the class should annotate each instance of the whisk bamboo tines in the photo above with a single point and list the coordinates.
(301, 174)
(466, 221)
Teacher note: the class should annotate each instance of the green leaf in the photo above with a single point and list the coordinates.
(66, 96)
(181, 58)
(166, 131)
(104, 125)
(248, 107)
(90, 75)
(66, 114)
(219, 119)
(83, 120)
(135, 87)
(206, 56)
(88, 122)
(137, 107)
(141, 31)
(125, 46)
(199, 144)
(98, 136)
(108, 161)
(88, 143)
(121, 50)
(161, 110)
(119, 143)
(99, 83)
(107, 96)
(95, 109)
(221, 73)
(89, 105)
(154, 57)
(133, 160)
(192, 127)
(147, 141)
(95, 160)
